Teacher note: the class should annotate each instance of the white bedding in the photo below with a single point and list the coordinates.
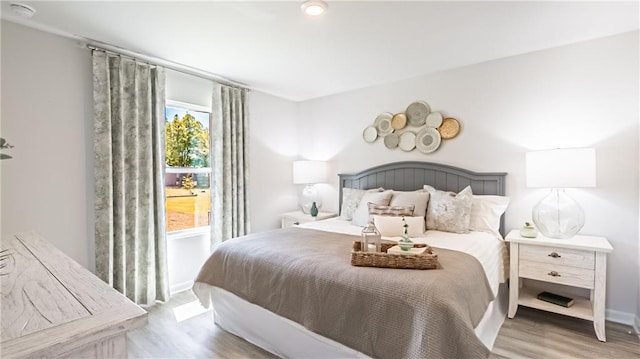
(289, 339)
(489, 249)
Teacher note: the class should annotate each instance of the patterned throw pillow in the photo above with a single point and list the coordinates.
(448, 211)
(393, 211)
(419, 199)
(361, 215)
(351, 199)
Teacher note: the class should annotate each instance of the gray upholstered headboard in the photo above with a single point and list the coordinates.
(412, 175)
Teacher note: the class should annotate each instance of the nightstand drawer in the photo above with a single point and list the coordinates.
(578, 277)
(558, 256)
(289, 222)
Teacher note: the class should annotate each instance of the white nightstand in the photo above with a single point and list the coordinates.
(580, 261)
(296, 217)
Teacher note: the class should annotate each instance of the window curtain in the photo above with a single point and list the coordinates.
(230, 164)
(131, 253)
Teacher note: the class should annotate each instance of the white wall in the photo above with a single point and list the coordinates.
(582, 95)
(47, 114)
(273, 148)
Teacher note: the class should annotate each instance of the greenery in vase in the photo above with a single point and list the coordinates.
(4, 145)
(405, 243)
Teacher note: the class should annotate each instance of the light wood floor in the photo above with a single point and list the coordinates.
(531, 334)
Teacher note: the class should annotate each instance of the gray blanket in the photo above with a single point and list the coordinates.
(305, 275)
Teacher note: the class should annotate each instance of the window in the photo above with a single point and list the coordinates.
(188, 166)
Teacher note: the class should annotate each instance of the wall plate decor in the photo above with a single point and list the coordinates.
(417, 113)
(391, 140)
(399, 121)
(417, 127)
(370, 134)
(383, 124)
(428, 140)
(434, 119)
(450, 128)
(407, 141)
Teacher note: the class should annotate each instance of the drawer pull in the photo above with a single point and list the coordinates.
(554, 274)
(296, 223)
(554, 255)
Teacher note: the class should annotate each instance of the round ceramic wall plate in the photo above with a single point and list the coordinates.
(391, 140)
(434, 119)
(383, 124)
(370, 134)
(417, 113)
(399, 121)
(450, 128)
(407, 141)
(428, 140)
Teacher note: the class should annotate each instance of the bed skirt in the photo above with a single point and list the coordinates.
(288, 339)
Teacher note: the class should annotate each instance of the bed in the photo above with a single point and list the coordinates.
(314, 314)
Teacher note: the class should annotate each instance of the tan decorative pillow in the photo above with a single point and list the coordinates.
(361, 215)
(351, 198)
(392, 211)
(419, 199)
(394, 227)
(448, 211)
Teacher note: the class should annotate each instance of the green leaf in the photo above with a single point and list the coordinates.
(4, 156)
(2, 142)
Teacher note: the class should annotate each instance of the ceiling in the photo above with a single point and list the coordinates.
(274, 48)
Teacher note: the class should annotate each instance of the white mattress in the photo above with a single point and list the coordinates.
(288, 339)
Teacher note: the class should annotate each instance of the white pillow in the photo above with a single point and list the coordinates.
(486, 212)
(351, 199)
(448, 211)
(394, 227)
(419, 199)
(361, 215)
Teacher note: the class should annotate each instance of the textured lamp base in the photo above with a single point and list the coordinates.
(558, 215)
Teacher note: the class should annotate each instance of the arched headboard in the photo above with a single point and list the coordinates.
(413, 175)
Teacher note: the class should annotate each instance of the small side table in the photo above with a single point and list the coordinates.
(580, 261)
(297, 217)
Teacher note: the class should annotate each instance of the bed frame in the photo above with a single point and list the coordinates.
(412, 175)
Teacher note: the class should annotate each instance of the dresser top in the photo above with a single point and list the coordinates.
(591, 243)
(48, 299)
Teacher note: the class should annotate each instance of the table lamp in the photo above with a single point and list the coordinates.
(309, 173)
(558, 215)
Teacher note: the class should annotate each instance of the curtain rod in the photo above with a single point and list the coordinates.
(97, 45)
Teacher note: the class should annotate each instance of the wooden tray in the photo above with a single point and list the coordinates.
(426, 260)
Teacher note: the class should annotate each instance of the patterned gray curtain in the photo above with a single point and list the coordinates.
(230, 163)
(131, 252)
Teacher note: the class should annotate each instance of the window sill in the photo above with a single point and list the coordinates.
(187, 233)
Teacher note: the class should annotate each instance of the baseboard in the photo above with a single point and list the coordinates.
(180, 287)
(636, 325)
(620, 317)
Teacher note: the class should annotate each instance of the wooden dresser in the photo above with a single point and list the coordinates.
(52, 307)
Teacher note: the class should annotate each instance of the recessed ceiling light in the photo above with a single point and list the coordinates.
(314, 8)
(22, 10)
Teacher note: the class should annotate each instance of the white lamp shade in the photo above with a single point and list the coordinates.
(309, 172)
(562, 168)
